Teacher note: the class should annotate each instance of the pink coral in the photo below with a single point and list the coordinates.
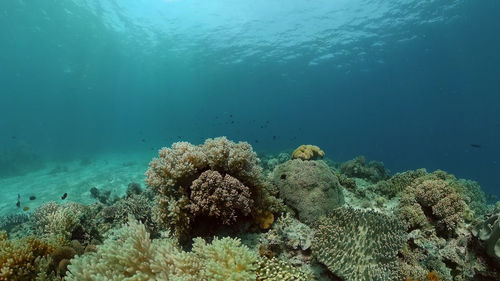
(220, 197)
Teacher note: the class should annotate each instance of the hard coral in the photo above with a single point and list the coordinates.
(129, 254)
(308, 152)
(488, 231)
(359, 245)
(273, 269)
(21, 259)
(358, 168)
(309, 187)
(221, 197)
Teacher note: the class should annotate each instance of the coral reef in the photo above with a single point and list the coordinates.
(9, 221)
(174, 174)
(309, 187)
(308, 152)
(359, 245)
(358, 168)
(130, 254)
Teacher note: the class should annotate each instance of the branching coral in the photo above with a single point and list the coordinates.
(129, 254)
(359, 245)
(22, 259)
(220, 197)
(435, 200)
(308, 152)
(54, 219)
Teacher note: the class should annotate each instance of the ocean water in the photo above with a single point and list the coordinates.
(414, 84)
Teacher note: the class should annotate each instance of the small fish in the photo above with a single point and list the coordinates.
(232, 122)
(475, 145)
(14, 137)
(256, 141)
(274, 137)
(262, 127)
(143, 140)
(26, 208)
(267, 121)
(230, 116)
(18, 204)
(32, 197)
(64, 196)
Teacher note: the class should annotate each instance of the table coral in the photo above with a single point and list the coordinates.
(359, 245)
(308, 152)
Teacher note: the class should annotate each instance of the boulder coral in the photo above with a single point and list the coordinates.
(308, 152)
(184, 178)
(359, 245)
(309, 187)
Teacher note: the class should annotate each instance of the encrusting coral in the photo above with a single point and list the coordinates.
(359, 245)
(308, 152)
(130, 254)
(184, 178)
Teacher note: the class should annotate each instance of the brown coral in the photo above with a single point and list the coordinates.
(308, 152)
(222, 197)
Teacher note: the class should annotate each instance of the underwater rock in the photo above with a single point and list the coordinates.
(309, 187)
(308, 152)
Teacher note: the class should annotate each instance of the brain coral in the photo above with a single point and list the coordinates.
(359, 245)
(185, 189)
(308, 152)
(309, 187)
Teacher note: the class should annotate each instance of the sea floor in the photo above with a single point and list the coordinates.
(106, 172)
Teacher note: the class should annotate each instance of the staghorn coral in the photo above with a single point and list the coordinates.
(222, 197)
(309, 187)
(308, 152)
(359, 245)
(129, 254)
(358, 168)
(174, 173)
(273, 269)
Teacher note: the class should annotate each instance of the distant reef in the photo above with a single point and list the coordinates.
(217, 212)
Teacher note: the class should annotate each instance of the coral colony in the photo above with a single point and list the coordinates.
(216, 212)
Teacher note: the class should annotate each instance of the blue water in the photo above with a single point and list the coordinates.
(409, 83)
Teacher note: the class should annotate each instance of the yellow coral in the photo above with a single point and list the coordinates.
(264, 220)
(308, 152)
